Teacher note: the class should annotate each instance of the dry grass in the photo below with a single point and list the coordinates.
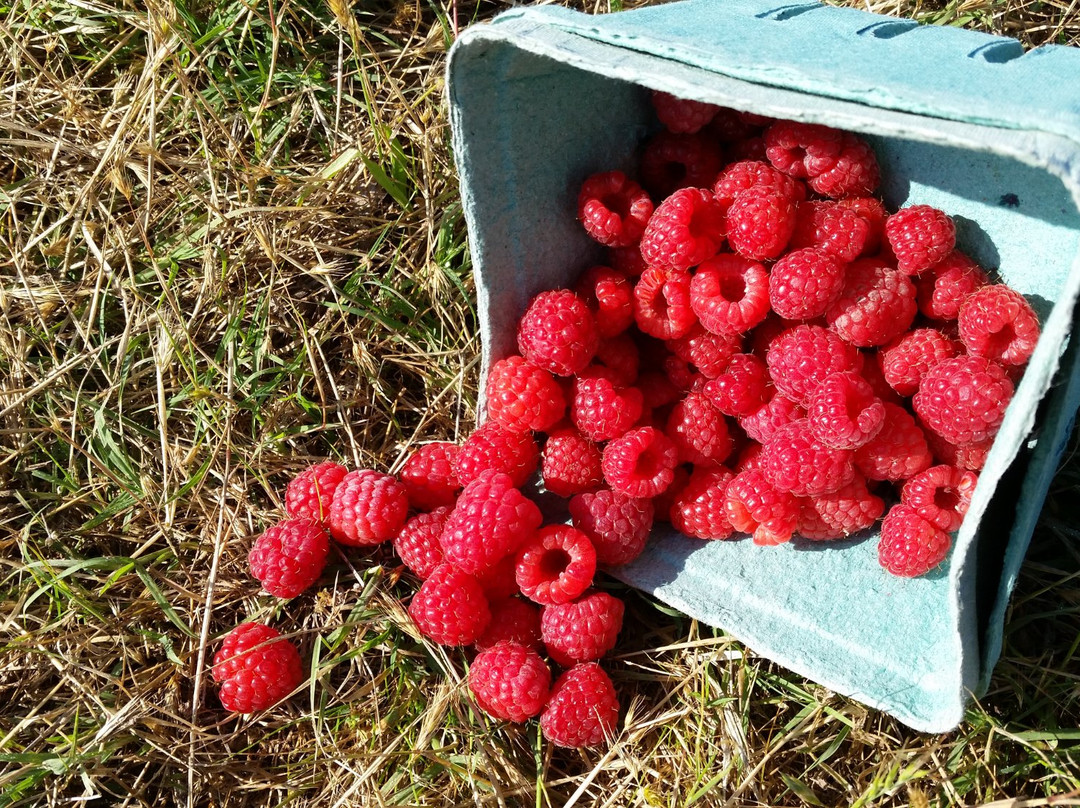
(230, 243)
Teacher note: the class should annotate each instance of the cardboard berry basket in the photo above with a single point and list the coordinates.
(543, 97)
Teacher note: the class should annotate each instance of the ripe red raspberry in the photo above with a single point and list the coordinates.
(998, 323)
(920, 236)
(682, 114)
(871, 371)
(556, 565)
(609, 296)
(256, 668)
(662, 303)
(728, 125)
(910, 546)
(708, 352)
(672, 161)
(794, 460)
(450, 607)
(800, 358)
(855, 173)
(583, 709)
(941, 495)
(698, 508)
(664, 503)
(905, 360)
(760, 222)
(832, 228)
(700, 431)
(752, 148)
(763, 422)
(512, 620)
(310, 493)
(614, 209)
(685, 229)
(963, 399)
(944, 286)
(368, 508)
(418, 546)
(898, 451)
(617, 525)
(749, 457)
(510, 682)
(618, 355)
(872, 211)
(970, 456)
(742, 388)
(756, 506)
(521, 396)
(493, 447)
(876, 306)
(843, 412)
(289, 557)
(428, 475)
(746, 174)
(730, 294)
(489, 522)
(802, 150)
(582, 630)
(841, 513)
(558, 332)
(571, 463)
(602, 410)
(640, 463)
(804, 283)
(658, 389)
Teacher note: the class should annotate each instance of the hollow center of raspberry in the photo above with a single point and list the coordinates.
(617, 203)
(733, 287)
(674, 172)
(553, 563)
(999, 341)
(647, 464)
(946, 499)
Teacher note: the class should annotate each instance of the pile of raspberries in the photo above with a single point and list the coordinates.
(768, 353)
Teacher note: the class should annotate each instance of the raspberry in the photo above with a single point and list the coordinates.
(964, 399)
(602, 410)
(558, 332)
(685, 229)
(662, 303)
(802, 150)
(682, 114)
(512, 620)
(639, 464)
(910, 546)
(876, 306)
(310, 493)
(905, 360)
(970, 456)
(658, 390)
(794, 460)
(749, 457)
(756, 506)
(698, 508)
(760, 222)
(800, 358)
(944, 286)
(583, 709)
(619, 356)
(699, 430)
(582, 630)
(571, 463)
(919, 236)
(614, 209)
(556, 565)
(708, 352)
(873, 212)
(520, 396)
(742, 388)
(832, 228)
(609, 296)
(871, 371)
(368, 508)
(498, 581)
(664, 503)
(494, 447)
(626, 260)
(746, 174)
(763, 422)
(841, 513)
(417, 545)
(617, 525)
(730, 294)
(804, 283)
(843, 411)
(510, 682)
(729, 125)
(256, 668)
(941, 495)
(898, 451)
(289, 557)
(752, 148)
(672, 161)
(856, 172)
(488, 523)
(428, 475)
(450, 607)
(998, 323)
